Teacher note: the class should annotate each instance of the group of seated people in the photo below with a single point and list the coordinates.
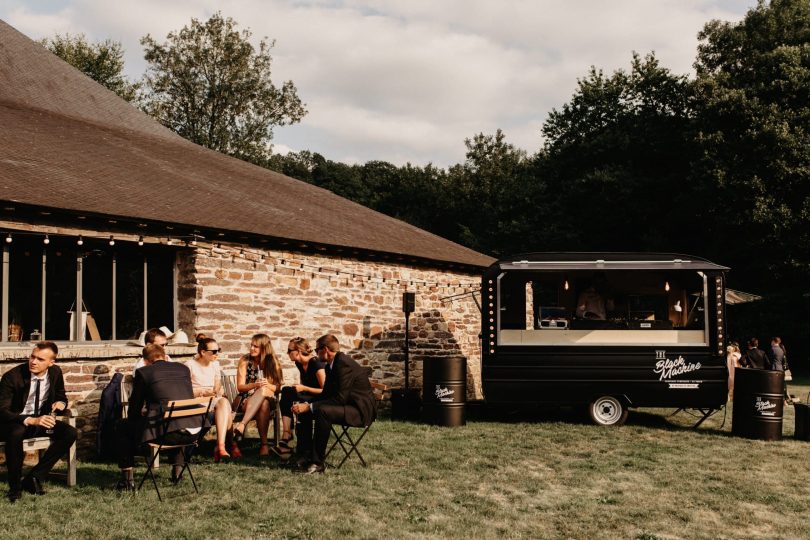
(333, 388)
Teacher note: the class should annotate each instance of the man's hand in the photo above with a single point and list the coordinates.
(46, 422)
(58, 406)
(300, 408)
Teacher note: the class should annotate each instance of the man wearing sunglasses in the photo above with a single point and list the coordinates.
(31, 394)
(347, 398)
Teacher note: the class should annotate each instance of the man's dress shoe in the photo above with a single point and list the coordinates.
(315, 468)
(14, 495)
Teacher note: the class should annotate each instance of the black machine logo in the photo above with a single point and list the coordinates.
(667, 369)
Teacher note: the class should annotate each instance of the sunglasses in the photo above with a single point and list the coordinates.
(212, 351)
(291, 350)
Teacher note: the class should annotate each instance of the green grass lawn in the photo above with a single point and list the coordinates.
(548, 475)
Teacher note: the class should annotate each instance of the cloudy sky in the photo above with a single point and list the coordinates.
(408, 80)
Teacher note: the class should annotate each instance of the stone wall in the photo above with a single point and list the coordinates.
(232, 295)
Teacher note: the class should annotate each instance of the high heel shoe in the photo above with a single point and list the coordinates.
(238, 434)
(236, 453)
(219, 454)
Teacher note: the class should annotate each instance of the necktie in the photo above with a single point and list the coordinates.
(36, 399)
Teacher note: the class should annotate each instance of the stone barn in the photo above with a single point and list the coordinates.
(111, 224)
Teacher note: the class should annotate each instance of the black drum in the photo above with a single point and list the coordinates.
(444, 390)
(758, 404)
(802, 431)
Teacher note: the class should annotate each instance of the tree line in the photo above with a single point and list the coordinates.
(642, 159)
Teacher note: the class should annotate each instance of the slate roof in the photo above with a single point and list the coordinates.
(68, 143)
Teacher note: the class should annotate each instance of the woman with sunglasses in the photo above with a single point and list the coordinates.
(206, 379)
(312, 375)
(258, 378)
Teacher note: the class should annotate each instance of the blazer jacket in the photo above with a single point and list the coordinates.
(347, 384)
(153, 386)
(16, 385)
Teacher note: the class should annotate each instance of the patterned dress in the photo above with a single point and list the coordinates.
(251, 376)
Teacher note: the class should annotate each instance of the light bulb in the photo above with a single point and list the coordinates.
(80, 241)
(566, 285)
(112, 240)
(140, 240)
(666, 286)
(47, 240)
(8, 238)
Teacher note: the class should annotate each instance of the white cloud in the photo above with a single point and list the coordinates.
(409, 80)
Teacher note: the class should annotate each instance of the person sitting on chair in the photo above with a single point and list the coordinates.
(30, 395)
(347, 398)
(153, 386)
(258, 378)
(312, 374)
(206, 379)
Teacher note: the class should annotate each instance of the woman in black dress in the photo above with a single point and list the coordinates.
(312, 375)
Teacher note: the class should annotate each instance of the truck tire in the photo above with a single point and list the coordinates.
(608, 411)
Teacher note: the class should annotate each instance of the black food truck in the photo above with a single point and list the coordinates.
(610, 330)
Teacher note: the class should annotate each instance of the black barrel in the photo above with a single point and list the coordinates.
(444, 391)
(758, 404)
(802, 431)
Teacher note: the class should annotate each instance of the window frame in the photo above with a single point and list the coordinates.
(79, 259)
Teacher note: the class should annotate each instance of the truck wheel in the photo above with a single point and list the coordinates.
(608, 411)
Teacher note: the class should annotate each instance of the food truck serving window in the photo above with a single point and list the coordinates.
(594, 307)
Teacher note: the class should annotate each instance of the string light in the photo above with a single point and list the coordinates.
(80, 241)
(112, 240)
(47, 240)
(8, 238)
(170, 241)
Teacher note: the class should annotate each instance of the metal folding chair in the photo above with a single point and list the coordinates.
(175, 409)
(344, 439)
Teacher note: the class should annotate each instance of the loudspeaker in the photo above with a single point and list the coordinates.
(408, 302)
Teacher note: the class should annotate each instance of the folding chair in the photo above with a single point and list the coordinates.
(344, 439)
(229, 386)
(175, 409)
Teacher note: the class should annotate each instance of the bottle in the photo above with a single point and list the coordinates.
(36, 335)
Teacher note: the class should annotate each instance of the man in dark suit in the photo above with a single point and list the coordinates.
(755, 357)
(30, 395)
(152, 387)
(347, 398)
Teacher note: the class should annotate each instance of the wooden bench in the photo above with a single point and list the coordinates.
(40, 444)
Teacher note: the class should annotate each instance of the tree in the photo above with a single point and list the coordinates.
(753, 79)
(210, 85)
(616, 162)
(103, 62)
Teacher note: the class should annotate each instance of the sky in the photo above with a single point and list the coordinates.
(407, 81)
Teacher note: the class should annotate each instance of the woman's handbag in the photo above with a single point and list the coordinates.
(788, 375)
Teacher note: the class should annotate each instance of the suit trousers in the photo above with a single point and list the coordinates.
(326, 415)
(63, 436)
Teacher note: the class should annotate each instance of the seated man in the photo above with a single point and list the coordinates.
(154, 385)
(347, 398)
(30, 395)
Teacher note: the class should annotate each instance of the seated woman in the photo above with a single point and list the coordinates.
(206, 379)
(313, 377)
(258, 378)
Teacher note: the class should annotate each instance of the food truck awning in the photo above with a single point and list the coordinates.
(738, 297)
(607, 261)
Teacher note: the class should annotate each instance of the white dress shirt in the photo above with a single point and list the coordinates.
(44, 386)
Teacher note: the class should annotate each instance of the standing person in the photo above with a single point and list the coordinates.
(778, 358)
(347, 398)
(153, 386)
(206, 380)
(258, 378)
(30, 396)
(755, 357)
(312, 374)
(733, 356)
